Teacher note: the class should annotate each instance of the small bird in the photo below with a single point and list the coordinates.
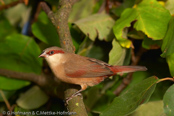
(84, 71)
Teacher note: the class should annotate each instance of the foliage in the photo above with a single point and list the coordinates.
(119, 37)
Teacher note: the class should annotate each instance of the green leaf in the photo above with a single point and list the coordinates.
(32, 99)
(170, 61)
(18, 53)
(12, 84)
(168, 41)
(146, 109)
(97, 25)
(168, 46)
(154, 25)
(44, 30)
(131, 99)
(136, 77)
(169, 102)
(102, 101)
(119, 28)
(117, 54)
(5, 27)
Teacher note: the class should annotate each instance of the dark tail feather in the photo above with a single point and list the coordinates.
(127, 69)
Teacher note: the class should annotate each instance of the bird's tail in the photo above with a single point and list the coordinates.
(127, 69)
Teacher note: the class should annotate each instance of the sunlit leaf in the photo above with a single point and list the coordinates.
(119, 28)
(153, 25)
(32, 99)
(169, 102)
(131, 99)
(97, 25)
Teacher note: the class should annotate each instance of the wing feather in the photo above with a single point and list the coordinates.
(86, 67)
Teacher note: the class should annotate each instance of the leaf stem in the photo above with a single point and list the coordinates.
(5, 100)
(165, 79)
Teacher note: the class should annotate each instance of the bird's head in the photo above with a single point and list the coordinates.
(52, 51)
(52, 54)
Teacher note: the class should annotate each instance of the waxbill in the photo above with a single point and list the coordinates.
(80, 70)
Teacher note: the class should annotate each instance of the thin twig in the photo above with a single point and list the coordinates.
(10, 5)
(128, 78)
(5, 100)
(49, 13)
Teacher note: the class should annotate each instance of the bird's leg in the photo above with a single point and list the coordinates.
(73, 95)
(83, 87)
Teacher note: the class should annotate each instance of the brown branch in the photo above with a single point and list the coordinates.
(65, 7)
(10, 5)
(60, 21)
(49, 13)
(20, 75)
(128, 78)
(46, 82)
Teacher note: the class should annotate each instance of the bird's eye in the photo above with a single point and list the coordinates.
(52, 52)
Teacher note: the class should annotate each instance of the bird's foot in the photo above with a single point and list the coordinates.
(79, 94)
(67, 100)
(74, 95)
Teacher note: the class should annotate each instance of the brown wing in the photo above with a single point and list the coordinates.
(84, 67)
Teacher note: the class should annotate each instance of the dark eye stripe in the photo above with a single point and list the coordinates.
(54, 52)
